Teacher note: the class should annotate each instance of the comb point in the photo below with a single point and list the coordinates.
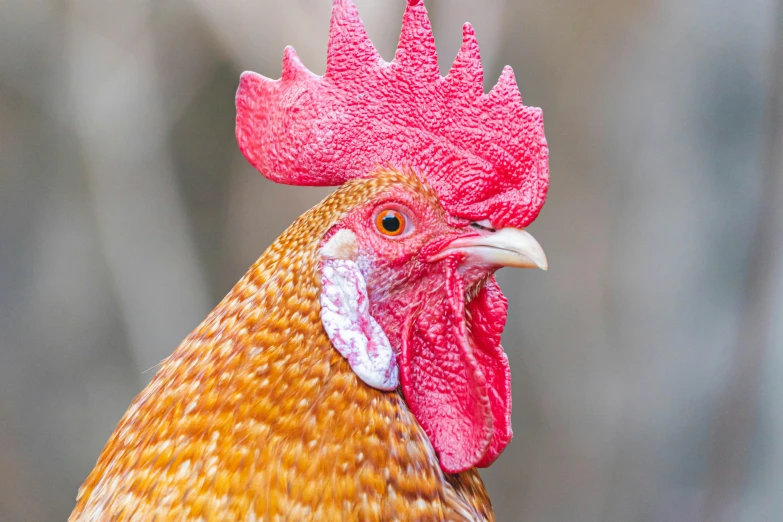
(293, 68)
(416, 51)
(349, 45)
(506, 87)
(251, 86)
(466, 73)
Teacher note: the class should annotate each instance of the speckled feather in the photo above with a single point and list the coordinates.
(256, 416)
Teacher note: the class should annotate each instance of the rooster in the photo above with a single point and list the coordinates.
(355, 372)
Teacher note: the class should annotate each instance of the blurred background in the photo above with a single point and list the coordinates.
(648, 361)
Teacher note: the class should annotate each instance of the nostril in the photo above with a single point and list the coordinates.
(482, 225)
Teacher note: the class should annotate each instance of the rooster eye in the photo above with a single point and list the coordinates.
(390, 222)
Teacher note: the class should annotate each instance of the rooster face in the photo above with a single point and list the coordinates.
(408, 296)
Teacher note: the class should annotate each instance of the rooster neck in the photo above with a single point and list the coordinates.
(256, 415)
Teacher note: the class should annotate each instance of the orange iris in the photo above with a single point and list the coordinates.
(390, 222)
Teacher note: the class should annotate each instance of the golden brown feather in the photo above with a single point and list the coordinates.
(255, 416)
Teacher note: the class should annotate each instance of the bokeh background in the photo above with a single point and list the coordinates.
(648, 361)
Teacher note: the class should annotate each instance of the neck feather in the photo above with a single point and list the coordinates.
(256, 413)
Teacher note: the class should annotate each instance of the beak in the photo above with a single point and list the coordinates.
(505, 247)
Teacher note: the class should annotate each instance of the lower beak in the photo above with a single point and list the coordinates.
(505, 247)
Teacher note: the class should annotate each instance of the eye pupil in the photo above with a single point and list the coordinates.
(391, 223)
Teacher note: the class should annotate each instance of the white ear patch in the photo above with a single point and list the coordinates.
(346, 318)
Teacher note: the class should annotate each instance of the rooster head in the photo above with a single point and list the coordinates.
(408, 291)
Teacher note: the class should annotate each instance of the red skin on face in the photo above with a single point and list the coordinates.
(453, 372)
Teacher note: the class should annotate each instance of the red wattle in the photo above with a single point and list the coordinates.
(458, 389)
(487, 312)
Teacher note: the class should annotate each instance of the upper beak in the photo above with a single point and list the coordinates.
(505, 247)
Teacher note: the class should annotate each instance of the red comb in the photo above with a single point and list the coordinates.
(484, 154)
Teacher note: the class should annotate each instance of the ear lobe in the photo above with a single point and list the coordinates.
(353, 331)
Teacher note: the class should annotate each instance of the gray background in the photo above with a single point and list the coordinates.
(647, 363)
